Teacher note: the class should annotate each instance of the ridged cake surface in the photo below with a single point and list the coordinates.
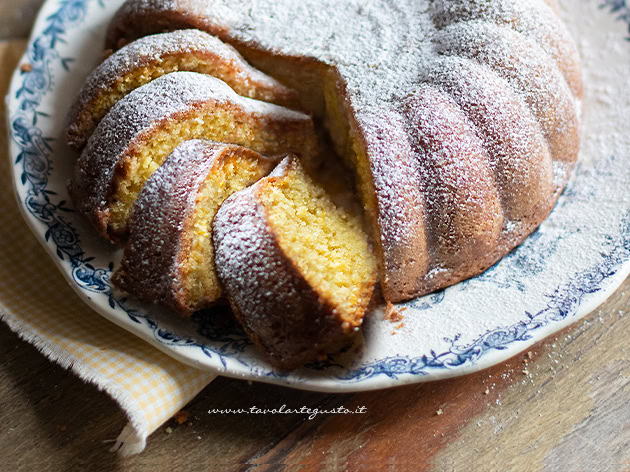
(461, 118)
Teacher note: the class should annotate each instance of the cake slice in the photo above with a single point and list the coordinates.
(153, 56)
(137, 135)
(169, 258)
(299, 272)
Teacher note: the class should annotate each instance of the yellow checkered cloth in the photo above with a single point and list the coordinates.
(36, 303)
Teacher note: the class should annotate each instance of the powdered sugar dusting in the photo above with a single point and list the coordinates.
(379, 46)
(151, 52)
(510, 67)
(154, 264)
(462, 200)
(142, 111)
(535, 19)
(517, 151)
(530, 72)
(151, 49)
(150, 268)
(263, 284)
(246, 251)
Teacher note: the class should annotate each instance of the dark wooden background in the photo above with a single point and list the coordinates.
(565, 406)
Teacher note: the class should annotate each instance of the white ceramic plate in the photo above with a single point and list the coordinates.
(580, 255)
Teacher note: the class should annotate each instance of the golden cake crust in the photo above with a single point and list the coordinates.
(153, 56)
(153, 267)
(290, 320)
(131, 126)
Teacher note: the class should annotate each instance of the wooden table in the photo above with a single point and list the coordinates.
(565, 406)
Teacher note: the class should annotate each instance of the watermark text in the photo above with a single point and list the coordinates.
(284, 410)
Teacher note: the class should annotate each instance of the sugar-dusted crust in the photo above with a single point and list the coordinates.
(291, 321)
(530, 18)
(511, 76)
(143, 17)
(520, 61)
(174, 97)
(152, 267)
(397, 207)
(153, 56)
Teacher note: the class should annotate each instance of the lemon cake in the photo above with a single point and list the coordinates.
(460, 118)
(298, 271)
(169, 257)
(142, 129)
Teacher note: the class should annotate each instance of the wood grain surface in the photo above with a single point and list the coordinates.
(563, 406)
(16, 17)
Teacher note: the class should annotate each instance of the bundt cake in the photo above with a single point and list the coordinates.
(460, 118)
(154, 56)
(297, 270)
(169, 257)
(142, 129)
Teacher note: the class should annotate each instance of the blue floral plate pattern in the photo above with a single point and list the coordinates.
(578, 257)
